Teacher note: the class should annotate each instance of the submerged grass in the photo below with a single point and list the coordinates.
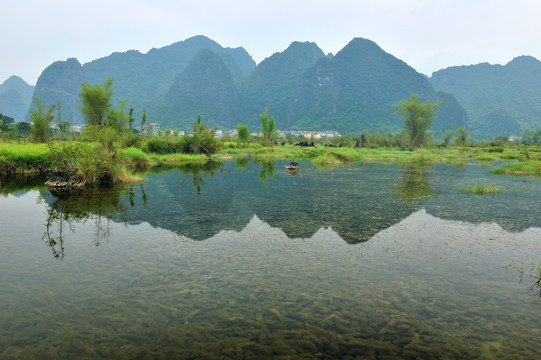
(479, 189)
(321, 155)
(520, 168)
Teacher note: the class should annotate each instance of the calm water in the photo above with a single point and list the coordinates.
(244, 260)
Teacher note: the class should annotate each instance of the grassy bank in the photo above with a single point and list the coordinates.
(529, 163)
(88, 161)
(331, 156)
(94, 163)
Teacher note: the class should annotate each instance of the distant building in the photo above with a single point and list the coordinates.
(76, 128)
(151, 128)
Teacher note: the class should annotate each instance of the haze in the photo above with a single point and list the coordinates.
(427, 34)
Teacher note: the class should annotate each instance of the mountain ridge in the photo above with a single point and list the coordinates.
(499, 99)
(352, 91)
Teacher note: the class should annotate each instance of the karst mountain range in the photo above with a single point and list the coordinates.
(351, 92)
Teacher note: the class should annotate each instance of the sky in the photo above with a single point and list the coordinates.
(428, 35)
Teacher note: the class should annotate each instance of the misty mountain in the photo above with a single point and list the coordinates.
(351, 92)
(499, 100)
(141, 78)
(354, 92)
(15, 98)
(205, 87)
(274, 81)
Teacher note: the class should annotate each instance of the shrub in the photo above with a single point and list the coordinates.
(496, 149)
(163, 146)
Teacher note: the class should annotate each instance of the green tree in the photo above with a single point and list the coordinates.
(447, 135)
(143, 120)
(418, 117)
(202, 140)
(23, 128)
(41, 119)
(243, 134)
(531, 137)
(96, 102)
(268, 128)
(5, 122)
(461, 138)
(131, 119)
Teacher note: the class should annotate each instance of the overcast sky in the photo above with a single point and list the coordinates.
(427, 34)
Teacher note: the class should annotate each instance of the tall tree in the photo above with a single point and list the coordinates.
(268, 127)
(96, 102)
(461, 138)
(418, 117)
(243, 134)
(41, 119)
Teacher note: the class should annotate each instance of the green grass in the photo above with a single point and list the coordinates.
(479, 189)
(520, 168)
(91, 159)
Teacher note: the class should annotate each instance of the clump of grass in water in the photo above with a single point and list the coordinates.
(479, 189)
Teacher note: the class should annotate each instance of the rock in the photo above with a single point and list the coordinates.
(292, 167)
(64, 179)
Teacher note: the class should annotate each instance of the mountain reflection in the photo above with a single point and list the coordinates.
(357, 201)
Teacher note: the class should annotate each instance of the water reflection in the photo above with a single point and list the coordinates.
(356, 202)
(242, 163)
(65, 208)
(199, 172)
(266, 170)
(414, 183)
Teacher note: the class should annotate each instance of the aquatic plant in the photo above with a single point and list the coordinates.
(479, 189)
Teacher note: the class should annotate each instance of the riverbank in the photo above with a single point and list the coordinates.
(95, 164)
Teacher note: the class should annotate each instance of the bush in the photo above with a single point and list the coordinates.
(163, 146)
(496, 149)
(133, 157)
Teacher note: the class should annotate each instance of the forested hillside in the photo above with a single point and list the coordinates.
(500, 100)
(354, 92)
(143, 79)
(15, 98)
(351, 92)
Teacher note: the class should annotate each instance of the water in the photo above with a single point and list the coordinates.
(244, 260)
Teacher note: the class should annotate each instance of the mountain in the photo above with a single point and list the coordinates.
(60, 83)
(273, 83)
(141, 78)
(354, 92)
(205, 87)
(499, 100)
(304, 89)
(15, 98)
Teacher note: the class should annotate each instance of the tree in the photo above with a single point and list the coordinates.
(96, 102)
(143, 119)
(243, 134)
(41, 119)
(23, 128)
(268, 128)
(461, 137)
(447, 135)
(131, 119)
(418, 117)
(202, 140)
(5, 121)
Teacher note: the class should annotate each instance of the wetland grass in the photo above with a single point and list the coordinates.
(479, 189)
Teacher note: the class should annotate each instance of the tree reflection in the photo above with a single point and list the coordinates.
(267, 170)
(414, 183)
(65, 208)
(241, 164)
(200, 172)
